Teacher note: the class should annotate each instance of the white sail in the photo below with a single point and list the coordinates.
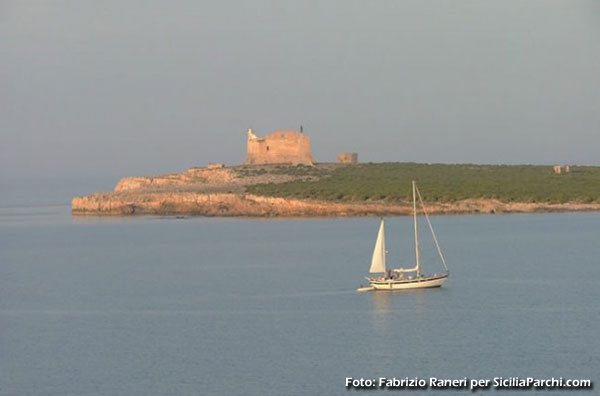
(378, 261)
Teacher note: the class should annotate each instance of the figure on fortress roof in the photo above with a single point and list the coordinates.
(251, 134)
(280, 147)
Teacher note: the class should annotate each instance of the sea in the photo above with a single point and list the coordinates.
(245, 306)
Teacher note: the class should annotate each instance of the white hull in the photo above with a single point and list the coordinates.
(420, 283)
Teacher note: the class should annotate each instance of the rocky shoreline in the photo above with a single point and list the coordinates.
(222, 192)
(189, 203)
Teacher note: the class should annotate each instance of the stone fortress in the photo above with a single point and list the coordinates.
(285, 147)
(280, 147)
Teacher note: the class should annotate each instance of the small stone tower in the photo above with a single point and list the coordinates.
(347, 158)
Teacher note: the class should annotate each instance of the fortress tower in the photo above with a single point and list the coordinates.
(280, 147)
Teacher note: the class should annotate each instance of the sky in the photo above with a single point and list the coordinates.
(104, 89)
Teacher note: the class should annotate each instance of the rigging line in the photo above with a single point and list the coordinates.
(437, 245)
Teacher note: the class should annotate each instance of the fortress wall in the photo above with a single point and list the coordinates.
(281, 147)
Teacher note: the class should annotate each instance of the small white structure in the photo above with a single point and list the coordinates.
(559, 169)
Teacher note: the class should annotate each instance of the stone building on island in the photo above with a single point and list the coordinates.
(560, 169)
(280, 147)
(347, 158)
(215, 165)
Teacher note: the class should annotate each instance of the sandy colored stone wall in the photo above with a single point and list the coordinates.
(348, 158)
(281, 147)
(215, 165)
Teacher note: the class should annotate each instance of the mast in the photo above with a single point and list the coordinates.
(417, 250)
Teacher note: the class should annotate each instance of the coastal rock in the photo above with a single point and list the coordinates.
(252, 205)
(193, 176)
(222, 192)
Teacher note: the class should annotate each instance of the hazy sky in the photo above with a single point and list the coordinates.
(114, 88)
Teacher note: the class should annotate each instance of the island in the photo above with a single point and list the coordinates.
(348, 188)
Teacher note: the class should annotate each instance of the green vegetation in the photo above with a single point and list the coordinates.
(298, 170)
(437, 183)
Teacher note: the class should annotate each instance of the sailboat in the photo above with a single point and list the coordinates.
(401, 278)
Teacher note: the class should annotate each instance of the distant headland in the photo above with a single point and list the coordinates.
(281, 178)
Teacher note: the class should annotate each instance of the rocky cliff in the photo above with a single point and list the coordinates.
(187, 203)
(222, 192)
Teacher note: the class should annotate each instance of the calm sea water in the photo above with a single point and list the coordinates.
(164, 306)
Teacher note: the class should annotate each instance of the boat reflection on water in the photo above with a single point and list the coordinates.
(393, 314)
(385, 304)
(382, 304)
